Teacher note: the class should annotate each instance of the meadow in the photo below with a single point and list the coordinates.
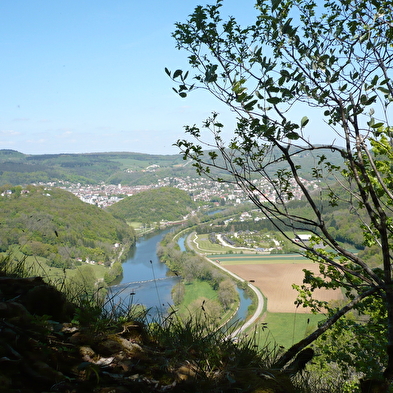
(195, 293)
(36, 266)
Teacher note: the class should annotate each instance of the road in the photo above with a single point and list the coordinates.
(260, 299)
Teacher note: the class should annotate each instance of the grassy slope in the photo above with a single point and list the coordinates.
(38, 267)
(196, 290)
(286, 329)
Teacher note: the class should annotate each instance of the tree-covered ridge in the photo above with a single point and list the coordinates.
(164, 203)
(111, 168)
(93, 168)
(55, 224)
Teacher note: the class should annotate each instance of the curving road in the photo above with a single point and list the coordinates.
(260, 299)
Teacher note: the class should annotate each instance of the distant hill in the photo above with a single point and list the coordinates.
(90, 168)
(111, 168)
(164, 203)
(56, 225)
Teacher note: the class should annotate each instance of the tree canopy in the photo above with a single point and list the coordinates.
(332, 58)
(163, 203)
(56, 225)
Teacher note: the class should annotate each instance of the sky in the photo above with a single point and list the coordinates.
(81, 76)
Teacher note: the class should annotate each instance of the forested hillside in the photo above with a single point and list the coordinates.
(56, 225)
(164, 203)
(111, 168)
(90, 168)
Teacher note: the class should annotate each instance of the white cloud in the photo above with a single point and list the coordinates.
(9, 132)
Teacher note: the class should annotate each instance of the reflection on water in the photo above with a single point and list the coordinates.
(181, 243)
(245, 302)
(155, 295)
(145, 279)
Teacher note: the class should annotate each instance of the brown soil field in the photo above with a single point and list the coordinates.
(275, 282)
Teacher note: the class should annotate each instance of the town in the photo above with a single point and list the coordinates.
(201, 189)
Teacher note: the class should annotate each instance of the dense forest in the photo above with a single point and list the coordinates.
(164, 203)
(56, 225)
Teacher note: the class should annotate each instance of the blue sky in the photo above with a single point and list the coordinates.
(80, 76)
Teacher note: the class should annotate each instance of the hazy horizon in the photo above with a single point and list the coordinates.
(84, 77)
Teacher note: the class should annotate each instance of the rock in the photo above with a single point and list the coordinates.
(129, 346)
(185, 372)
(87, 353)
(38, 297)
(15, 313)
(44, 371)
(79, 338)
(108, 347)
(47, 300)
(113, 389)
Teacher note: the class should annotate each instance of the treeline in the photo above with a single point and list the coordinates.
(54, 224)
(164, 203)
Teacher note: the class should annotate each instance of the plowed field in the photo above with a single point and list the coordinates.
(275, 282)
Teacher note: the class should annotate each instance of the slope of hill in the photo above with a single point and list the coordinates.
(56, 225)
(128, 168)
(111, 168)
(164, 203)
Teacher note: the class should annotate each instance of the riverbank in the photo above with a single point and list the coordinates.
(260, 306)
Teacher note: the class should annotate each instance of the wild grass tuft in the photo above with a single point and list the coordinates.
(13, 266)
(211, 353)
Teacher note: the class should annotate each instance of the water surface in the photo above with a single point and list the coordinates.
(145, 279)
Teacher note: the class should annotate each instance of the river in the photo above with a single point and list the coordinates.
(245, 301)
(149, 282)
(145, 279)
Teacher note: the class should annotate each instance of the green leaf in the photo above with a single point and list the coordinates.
(292, 135)
(177, 73)
(250, 105)
(304, 121)
(376, 125)
(274, 100)
(275, 4)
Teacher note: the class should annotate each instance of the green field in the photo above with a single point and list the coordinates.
(250, 259)
(198, 290)
(286, 329)
(193, 291)
(233, 256)
(281, 329)
(205, 245)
